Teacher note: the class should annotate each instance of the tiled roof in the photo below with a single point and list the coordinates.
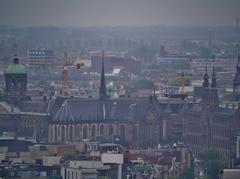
(16, 145)
(94, 109)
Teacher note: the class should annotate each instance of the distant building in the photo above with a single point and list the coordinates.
(82, 169)
(236, 80)
(208, 124)
(135, 121)
(112, 62)
(221, 65)
(169, 58)
(40, 57)
(15, 82)
(17, 113)
(31, 125)
(172, 108)
(231, 173)
(24, 151)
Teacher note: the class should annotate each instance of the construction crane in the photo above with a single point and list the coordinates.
(181, 81)
(65, 83)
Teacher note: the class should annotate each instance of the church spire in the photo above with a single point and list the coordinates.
(236, 80)
(238, 55)
(102, 90)
(214, 79)
(205, 78)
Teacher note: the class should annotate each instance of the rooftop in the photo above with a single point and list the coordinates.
(15, 68)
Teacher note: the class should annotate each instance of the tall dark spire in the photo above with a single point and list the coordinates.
(102, 90)
(214, 79)
(205, 78)
(238, 55)
(236, 80)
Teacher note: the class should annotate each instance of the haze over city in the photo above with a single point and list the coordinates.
(119, 12)
(120, 89)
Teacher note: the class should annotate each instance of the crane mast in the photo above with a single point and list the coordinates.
(65, 75)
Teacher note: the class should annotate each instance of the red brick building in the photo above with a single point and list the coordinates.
(208, 125)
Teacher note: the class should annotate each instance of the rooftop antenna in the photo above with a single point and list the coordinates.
(15, 47)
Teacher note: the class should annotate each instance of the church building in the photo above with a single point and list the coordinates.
(211, 125)
(133, 121)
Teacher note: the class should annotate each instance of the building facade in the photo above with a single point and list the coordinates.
(134, 121)
(14, 118)
(40, 57)
(15, 82)
(29, 125)
(208, 124)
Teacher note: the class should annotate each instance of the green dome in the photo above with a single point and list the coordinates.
(109, 86)
(15, 68)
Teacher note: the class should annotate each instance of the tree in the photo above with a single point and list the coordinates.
(180, 65)
(214, 163)
(69, 156)
(143, 52)
(188, 173)
(142, 84)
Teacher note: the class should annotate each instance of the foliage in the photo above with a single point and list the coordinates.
(237, 161)
(69, 156)
(188, 173)
(191, 46)
(143, 52)
(171, 65)
(142, 84)
(219, 69)
(176, 82)
(180, 65)
(214, 163)
(205, 52)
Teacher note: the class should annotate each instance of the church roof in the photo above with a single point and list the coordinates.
(34, 106)
(6, 108)
(94, 109)
(72, 109)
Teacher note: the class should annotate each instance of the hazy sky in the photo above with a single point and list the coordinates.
(118, 12)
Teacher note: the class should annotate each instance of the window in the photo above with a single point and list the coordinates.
(68, 175)
(110, 130)
(85, 132)
(93, 131)
(95, 147)
(89, 147)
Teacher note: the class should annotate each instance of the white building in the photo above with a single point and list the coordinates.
(82, 169)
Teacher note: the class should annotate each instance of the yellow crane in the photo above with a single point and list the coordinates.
(181, 81)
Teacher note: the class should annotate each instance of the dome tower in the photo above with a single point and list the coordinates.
(15, 81)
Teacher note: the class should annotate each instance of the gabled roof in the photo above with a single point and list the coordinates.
(34, 106)
(81, 109)
(6, 108)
